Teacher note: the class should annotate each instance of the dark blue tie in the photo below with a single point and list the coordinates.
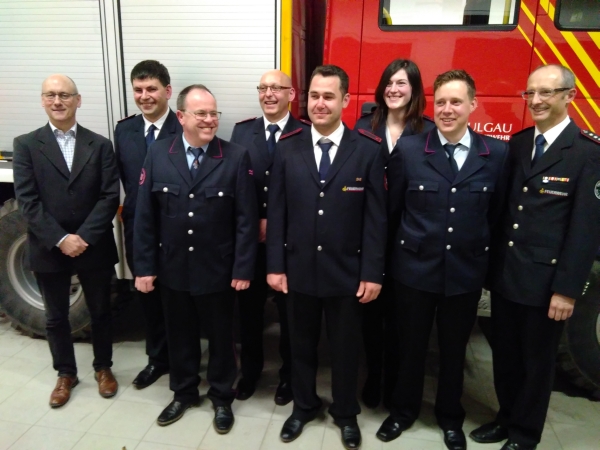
(272, 128)
(196, 163)
(325, 159)
(150, 136)
(539, 148)
(450, 148)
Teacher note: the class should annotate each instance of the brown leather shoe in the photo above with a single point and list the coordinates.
(62, 391)
(107, 385)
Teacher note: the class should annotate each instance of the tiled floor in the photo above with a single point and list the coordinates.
(89, 422)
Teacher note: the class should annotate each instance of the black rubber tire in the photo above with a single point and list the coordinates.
(14, 278)
(579, 351)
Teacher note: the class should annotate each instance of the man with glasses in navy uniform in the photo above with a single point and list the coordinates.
(260, 136)
(542, 255)
(196, 228)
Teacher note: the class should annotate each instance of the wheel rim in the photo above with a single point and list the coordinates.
(23, 281)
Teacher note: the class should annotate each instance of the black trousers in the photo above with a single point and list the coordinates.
(156, 328)
(455, 317)
(343, 320)
(185, 315)
(251, 304)
(380, 337)
(525, 343)
(151, 304)
(55, 288)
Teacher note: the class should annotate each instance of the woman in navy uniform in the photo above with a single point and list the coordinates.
(399, 113)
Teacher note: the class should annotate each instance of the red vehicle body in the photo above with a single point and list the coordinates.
(499, 58)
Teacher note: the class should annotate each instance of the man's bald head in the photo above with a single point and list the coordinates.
(275, 104)
(60, 99)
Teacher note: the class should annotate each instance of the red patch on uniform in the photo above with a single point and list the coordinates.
(142, 176)
(291, 133)
(385, 183)
(369, 135)
(251, 172)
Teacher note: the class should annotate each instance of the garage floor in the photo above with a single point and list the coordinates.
(128, 420)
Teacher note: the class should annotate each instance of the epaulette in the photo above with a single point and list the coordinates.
(125, 118)
(591, 136)
(522, 131)
(246, 120)
(369, 135)
(306, 122)
(291, 133)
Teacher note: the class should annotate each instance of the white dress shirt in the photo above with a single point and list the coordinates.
(462, 151)
(335, 138)
(281, 123)
(158, 124)
(550, 135)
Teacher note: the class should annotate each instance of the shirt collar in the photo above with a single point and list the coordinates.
(335, 137)
(186, 144)
(465, 141)
(73, 129)
(281, 123)
(553, 132)
(158, 124)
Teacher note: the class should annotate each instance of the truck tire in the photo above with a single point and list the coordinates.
(579, 351)
(20, 298)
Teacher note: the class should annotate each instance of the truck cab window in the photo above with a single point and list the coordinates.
(463, 13)
(577, 15)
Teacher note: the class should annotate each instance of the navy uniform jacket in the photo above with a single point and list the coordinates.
(196, 235)
(365, 123)
(327, 237)
(130, 147)
(551, 227)
(251, 134)
(56, 202)
(441, 224)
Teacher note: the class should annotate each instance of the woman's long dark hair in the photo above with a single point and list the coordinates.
(416, 105)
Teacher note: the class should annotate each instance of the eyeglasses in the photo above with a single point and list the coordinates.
(274, 88)
(201, 115)
(62, 95)
(544, 94)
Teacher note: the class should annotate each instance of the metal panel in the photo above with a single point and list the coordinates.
(45, 37)
(226, 45)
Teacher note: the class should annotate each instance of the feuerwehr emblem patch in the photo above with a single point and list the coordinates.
(142, 176)
(597, 190)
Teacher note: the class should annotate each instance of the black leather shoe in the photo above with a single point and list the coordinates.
(371, 393)
(223, 419)
(389, 430)
(283, 394)
(291, 429)
(174, 412)
(455, 439)
(351, 438)
(245, 390)
(148, 375)
(511, 445)
(489, 433)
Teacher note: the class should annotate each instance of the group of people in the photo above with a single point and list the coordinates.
(381, 229)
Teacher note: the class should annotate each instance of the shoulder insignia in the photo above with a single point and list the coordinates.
(590, 135)
(306, 122)
(125, 118)
(291, 133)
(246, 120)
(369, 135)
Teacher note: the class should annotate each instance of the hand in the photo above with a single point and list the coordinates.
(561, 307)
(278, 281)
(240, 285)
(262, 230)
(368, 291)
(145, 284)
(73, 245)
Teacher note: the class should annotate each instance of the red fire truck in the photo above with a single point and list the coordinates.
(227, 45)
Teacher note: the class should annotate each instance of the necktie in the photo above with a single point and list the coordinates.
(196, 163)
(539, 148)
(325, 159)
(450, 148)
(272, 128)
(150, 136)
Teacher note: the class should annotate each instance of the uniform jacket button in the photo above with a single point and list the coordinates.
(450, 230)
(267, 173)
(191, 195)
(266, 189)
(448, 247)
(511, 243)
(165, 189)
(421, 187)
(191, 214)
(220, 194)
(264, 205)
(553, 261)
(191, 249)
(525, 189)
(319, 248)
(453, 190)
(322, 194)
(190, 231)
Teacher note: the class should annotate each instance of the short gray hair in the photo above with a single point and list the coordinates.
(186, 90)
